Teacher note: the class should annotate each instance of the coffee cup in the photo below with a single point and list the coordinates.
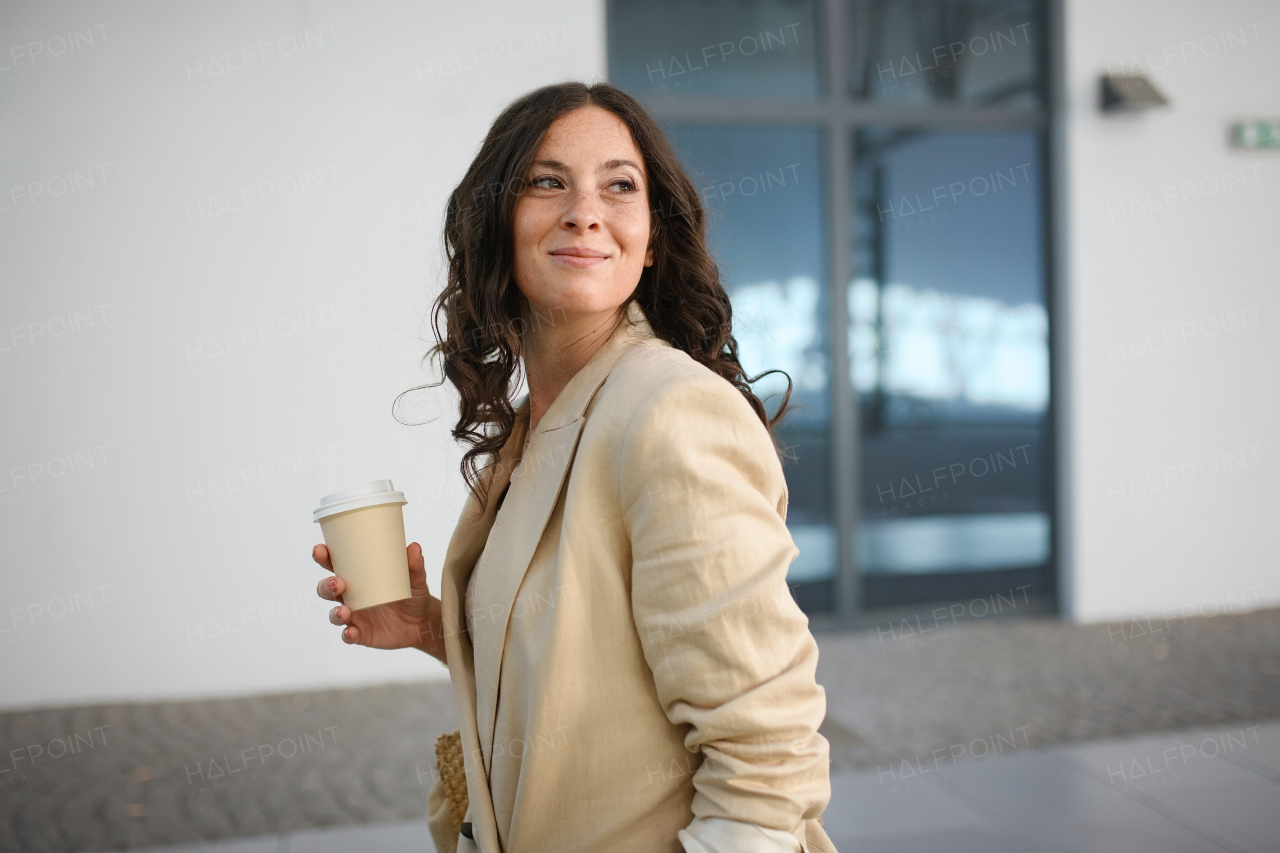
(364, 531)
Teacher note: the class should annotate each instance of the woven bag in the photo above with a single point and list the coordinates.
(451, 769)
(447, 803)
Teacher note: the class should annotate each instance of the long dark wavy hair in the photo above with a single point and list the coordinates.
(680, 293)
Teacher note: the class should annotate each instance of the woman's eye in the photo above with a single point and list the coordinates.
(625, 183)
(539, 182)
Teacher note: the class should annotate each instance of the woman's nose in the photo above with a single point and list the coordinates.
(583, 212)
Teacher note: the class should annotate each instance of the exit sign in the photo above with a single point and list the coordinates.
(1256, 134)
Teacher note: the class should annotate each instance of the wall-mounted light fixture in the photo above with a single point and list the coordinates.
(1129, 93)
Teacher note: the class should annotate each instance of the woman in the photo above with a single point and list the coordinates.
(631, 671)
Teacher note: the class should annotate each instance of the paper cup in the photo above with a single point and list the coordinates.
(364, 531)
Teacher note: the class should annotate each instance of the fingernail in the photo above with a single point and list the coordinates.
(333, 585)
(346, 633)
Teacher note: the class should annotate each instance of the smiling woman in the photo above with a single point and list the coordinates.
(505, 218)
(578, 213)
(630, 669)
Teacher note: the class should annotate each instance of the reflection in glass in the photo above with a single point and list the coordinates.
(977, 52)
(765, 48)
(763, 193)
(957, 542)
(949, 351)
(941, 346)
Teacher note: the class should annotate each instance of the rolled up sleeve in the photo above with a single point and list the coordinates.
(717, 835)
(704, 504)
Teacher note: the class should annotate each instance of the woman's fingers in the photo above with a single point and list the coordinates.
(417, 568)
(331, 589)
(320, 554)
(341, 615)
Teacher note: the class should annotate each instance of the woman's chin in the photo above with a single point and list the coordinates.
(577, 299)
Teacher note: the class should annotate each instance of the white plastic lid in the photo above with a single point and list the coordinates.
(373, 493)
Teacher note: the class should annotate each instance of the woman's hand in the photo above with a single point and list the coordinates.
(413, 623)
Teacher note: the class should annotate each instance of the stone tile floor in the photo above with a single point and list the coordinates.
(1202, 790)
(1008, 726)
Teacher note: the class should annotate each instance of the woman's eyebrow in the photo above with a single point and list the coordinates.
(612, 164)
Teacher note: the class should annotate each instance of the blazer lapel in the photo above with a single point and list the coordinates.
(475, 662)
(535, 482)
(467, 542)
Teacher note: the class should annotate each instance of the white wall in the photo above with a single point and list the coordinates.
(117, 295)
(259, 348)
(1172, 315)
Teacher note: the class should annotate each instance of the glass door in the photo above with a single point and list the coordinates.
(875, 180)
(949, 359)
(762, 187)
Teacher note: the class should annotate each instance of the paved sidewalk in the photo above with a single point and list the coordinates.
(1200, 791)
(281, 767)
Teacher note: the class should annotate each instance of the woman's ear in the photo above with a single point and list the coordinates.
(648, 258)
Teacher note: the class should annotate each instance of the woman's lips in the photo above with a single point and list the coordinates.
(578, 261)
(579, 257)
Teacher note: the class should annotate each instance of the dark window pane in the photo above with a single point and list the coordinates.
(763, 192)
(975, 52)
(703, 47)
(949, 356)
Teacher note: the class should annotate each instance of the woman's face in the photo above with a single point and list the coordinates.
(582, 221)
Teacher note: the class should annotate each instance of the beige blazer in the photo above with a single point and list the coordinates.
(636, 658)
